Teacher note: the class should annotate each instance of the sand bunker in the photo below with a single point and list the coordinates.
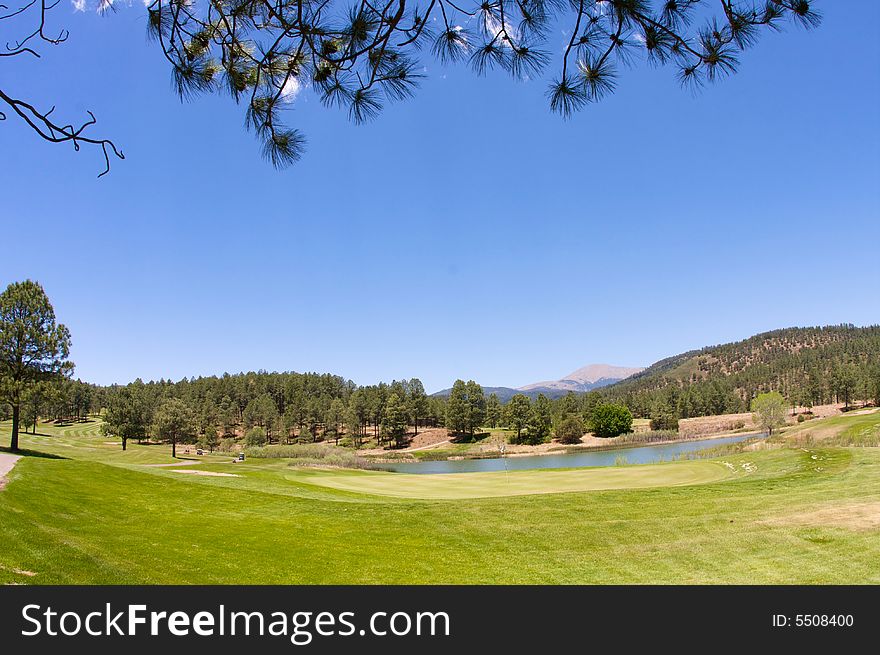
(209, 473)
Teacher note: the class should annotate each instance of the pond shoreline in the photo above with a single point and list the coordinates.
(559, 449)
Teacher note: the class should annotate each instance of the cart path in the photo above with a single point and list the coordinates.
(6, 463)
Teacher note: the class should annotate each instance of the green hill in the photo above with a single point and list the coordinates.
(809, 366)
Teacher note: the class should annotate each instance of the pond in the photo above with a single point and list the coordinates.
(637, 455)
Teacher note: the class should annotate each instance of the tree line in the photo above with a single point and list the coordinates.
(807, 366)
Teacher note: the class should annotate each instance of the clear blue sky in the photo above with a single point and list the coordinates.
(467, 233)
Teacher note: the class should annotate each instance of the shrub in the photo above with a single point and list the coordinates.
(570, 430)
(227, 445)
(664, 421)
(304, 436)
(610, 420)
(800, 418)
(255, 437)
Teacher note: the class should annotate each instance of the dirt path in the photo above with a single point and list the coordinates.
(6, 463)
(427, 438)
(431, 445)
(213, 474)
(187, 463)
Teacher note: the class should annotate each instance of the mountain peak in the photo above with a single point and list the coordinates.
(595, 372)
(588, 377)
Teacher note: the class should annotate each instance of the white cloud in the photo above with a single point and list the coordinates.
(291, 89)
(78, 5)
(601, 8)
(494, 28)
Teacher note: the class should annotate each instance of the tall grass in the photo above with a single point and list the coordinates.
(651, 436)
(716, 451)
(317, 454)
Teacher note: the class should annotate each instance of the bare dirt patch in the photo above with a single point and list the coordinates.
(426, 438)
(212, 474)
(851, 516)
(23, 572)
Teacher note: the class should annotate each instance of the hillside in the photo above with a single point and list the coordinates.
(809, 366)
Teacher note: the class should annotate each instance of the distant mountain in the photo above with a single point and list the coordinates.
(584, 379)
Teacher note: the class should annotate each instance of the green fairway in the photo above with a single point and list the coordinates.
(485, 485)
(95, 514)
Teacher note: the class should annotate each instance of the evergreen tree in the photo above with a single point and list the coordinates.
(394, 419)
(417, 402)
(477, 402)
(570, 430)
(33, 346)
(175, 422)
(458, 409)
(518, 411)
(493, 410)
(335, 417)
(540, 420)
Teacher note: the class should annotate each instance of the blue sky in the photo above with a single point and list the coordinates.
(466, 233)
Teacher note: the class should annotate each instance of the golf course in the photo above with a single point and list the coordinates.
(78, 509)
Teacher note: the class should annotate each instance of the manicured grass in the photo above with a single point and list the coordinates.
(102, 516)
(486, 485)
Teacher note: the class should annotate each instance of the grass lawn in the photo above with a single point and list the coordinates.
(517, 483)
(93, 514)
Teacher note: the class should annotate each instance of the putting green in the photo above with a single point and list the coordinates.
(451, 486)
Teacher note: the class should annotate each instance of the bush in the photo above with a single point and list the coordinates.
(570, 430)
(228, 445)
(800, 418)
(610, 420)
(255, 437)
(304, 436)
(664, 421)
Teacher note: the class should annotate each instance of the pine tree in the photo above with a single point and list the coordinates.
(33, 346)
(394, 419)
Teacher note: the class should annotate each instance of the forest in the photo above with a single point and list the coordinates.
(809, 366)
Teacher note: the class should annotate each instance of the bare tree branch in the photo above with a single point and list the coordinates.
(42, 122)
